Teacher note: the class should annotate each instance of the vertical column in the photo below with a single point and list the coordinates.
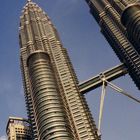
(131, 20)
(50, 114)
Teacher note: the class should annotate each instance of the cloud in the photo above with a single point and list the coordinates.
(3, 138)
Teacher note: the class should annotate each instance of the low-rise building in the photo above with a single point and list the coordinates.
(18, 129)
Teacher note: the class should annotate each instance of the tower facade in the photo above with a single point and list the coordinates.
(18, 129)
(123, 38)
(130, 18)
(56, 109)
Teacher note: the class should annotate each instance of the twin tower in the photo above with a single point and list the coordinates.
(56, 109)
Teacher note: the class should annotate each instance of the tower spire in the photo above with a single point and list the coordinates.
(29, 0)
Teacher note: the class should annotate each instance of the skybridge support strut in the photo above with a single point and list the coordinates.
(96, 81)
(119, 90)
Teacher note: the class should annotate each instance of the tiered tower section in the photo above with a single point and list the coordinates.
(108, 14)
(120, 5)
(56, 109)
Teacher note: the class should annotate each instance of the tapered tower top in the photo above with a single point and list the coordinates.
(29, 0)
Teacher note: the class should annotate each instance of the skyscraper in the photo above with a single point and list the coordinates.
(18, 129)
(130, 18)
(108, 14)
(56, 109)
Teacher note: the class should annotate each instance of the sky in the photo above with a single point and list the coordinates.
(90, 54)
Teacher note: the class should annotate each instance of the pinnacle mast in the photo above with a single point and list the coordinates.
(29, 0)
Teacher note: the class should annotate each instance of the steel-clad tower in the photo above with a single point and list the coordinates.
(56, 109)
(123, 38)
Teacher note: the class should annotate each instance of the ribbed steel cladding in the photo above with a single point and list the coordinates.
(37, 28)
(77, 104)
(48, 106)
(74, 100)
(131, 20)
(121, 45)
(28, 98)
